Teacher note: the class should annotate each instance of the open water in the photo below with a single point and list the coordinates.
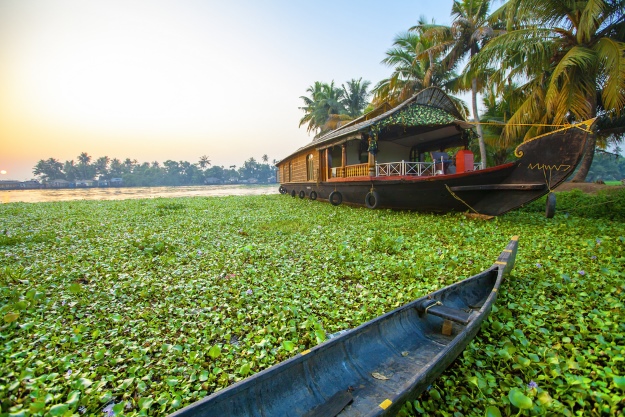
(122, 193)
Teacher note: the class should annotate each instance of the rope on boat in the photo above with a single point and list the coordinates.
(438, 303)
(547, 181)
(564, 126)
(460, 199)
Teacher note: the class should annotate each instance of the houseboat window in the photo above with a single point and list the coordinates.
(310, 168)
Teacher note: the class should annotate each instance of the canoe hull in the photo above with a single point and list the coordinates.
(379, 365)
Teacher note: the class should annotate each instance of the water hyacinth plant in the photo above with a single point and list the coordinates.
(126, 308)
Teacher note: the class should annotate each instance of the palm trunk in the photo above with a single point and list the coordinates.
(589, 154)
(589, 150)
(480, 132)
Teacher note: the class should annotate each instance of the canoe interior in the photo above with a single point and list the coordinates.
(380, 364)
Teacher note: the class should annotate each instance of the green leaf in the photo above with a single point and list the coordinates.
(75, 288)
(619, 381)
(214, 352)
(544, 398)
(288, 345)
(118, 408)
(99, 354)
(519, 400)
(492, 411)
(203, 375)
(435, 394)
(82, 383)
(145, 402)
(171, 381)
(11, 317)
(245, 369)
(59, 409)
(37, 406)
(73, 398)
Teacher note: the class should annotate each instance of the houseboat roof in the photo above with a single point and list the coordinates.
(430, 111)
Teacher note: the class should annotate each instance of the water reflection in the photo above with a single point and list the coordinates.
(122, 193)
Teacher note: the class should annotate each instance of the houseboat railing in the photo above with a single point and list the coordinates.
(357, 170)
(404, 168)
(388, 169)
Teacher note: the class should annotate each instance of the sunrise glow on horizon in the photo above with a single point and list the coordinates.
(157, 80)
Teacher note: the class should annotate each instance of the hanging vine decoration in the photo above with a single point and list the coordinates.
(411, 116)
(414, 115)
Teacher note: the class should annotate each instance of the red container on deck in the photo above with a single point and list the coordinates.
(464, 161)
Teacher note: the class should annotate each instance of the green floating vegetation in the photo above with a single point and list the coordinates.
(140, 307)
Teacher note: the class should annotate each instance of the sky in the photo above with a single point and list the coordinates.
(154, 80)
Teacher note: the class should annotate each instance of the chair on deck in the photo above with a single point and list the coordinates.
(441, 162)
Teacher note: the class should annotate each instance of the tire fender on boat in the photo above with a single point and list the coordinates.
(293, 193)
(550, 209)
(372, 199)
(335, 198)
(282, 190)
(313, 195)
(302, 194)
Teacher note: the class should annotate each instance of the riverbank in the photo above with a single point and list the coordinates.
(151, 304)
(588, 187)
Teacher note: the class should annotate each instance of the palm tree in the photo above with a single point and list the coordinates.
(323, 108)
(466, 36)
(204, 162)
(415, 67)
(116, 168)
(70, 170)
(571, 55)
(355, 96)
(129, 165)
(498, 109)
(49, 169)
(101, 166)
(265, 158)
(83, 165)
(408, 72)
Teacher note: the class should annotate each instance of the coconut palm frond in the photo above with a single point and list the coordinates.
(613, 94)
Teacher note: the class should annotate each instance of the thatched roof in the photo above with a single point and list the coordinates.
(428, 108)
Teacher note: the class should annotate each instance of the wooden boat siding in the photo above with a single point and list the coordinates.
(405, 345)
(298, 168)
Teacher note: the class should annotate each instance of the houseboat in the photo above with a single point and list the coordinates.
(416, 156)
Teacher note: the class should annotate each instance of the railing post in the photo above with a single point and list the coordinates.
(403, 168)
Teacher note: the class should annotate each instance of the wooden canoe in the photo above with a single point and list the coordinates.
(373, 369)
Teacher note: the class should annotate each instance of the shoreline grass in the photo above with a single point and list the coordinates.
(140, 307)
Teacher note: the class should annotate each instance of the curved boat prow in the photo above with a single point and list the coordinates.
(508, 256)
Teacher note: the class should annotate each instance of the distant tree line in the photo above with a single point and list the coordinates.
(169, 173)
(607, 166)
